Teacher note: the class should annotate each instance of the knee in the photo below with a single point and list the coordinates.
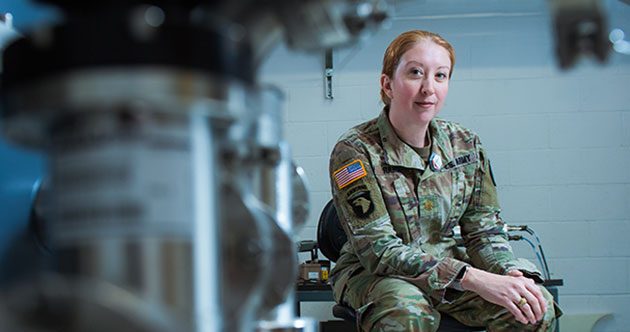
(550, 316)
(549, 300)
(404, 318)
(399, 306)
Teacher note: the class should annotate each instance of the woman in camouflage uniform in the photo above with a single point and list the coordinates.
(401, 182)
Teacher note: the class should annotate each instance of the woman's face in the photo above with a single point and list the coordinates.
(420, 84)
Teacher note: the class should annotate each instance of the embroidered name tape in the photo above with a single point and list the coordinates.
(462, 160)
(349, 173)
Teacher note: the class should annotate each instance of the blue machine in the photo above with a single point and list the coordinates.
(21, 170)
(20, 174)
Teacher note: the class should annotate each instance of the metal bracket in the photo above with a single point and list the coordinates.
(329, 73)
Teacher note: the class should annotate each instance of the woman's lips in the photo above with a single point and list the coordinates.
(424, 104)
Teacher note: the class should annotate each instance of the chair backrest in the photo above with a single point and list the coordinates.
(330, 233)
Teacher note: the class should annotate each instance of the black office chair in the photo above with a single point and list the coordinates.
(331, 237)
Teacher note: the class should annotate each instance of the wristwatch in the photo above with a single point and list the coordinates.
(457, 283)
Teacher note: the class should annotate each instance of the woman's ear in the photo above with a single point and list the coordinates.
(386, 85)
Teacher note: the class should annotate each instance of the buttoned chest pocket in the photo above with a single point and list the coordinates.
(424, 210)
(463, 180)
(408, 205)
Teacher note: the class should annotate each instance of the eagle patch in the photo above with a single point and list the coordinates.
(361, 203)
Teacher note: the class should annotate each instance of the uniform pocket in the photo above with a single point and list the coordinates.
(361, 313)
(409, 206)
(462, 180)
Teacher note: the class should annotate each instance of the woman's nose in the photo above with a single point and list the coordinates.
(427, 87)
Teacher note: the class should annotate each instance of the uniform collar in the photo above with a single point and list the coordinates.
(398, 153)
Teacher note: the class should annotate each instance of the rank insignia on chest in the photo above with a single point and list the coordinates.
(428, 205)
(349, 173)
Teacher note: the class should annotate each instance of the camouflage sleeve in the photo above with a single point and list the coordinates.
(486, 240)
(363, 214)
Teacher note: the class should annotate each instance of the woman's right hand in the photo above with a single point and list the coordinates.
(507, 291)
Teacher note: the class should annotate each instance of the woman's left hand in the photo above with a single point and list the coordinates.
(513, 291)
(534, 296)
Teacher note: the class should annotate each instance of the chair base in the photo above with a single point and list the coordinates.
(337, 326)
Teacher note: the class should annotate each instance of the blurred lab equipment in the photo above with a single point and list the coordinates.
(171, 200)
(579, 29)
(314, 270)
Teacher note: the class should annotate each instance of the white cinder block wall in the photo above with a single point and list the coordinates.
(559, 141)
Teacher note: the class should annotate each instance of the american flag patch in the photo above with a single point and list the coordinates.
(349, 173)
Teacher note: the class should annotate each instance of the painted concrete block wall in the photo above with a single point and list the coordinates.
(559, 141)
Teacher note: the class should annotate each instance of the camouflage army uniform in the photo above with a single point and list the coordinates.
(400, 263)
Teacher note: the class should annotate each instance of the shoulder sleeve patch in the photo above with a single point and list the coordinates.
(361, 204)
(487, 188)
(349, 173)
(355, 188)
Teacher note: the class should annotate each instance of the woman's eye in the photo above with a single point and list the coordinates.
(441, 76)
(416, 72)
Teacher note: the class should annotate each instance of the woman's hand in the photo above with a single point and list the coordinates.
(507, 291)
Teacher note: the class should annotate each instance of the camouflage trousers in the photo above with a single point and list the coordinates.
(392, 304)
